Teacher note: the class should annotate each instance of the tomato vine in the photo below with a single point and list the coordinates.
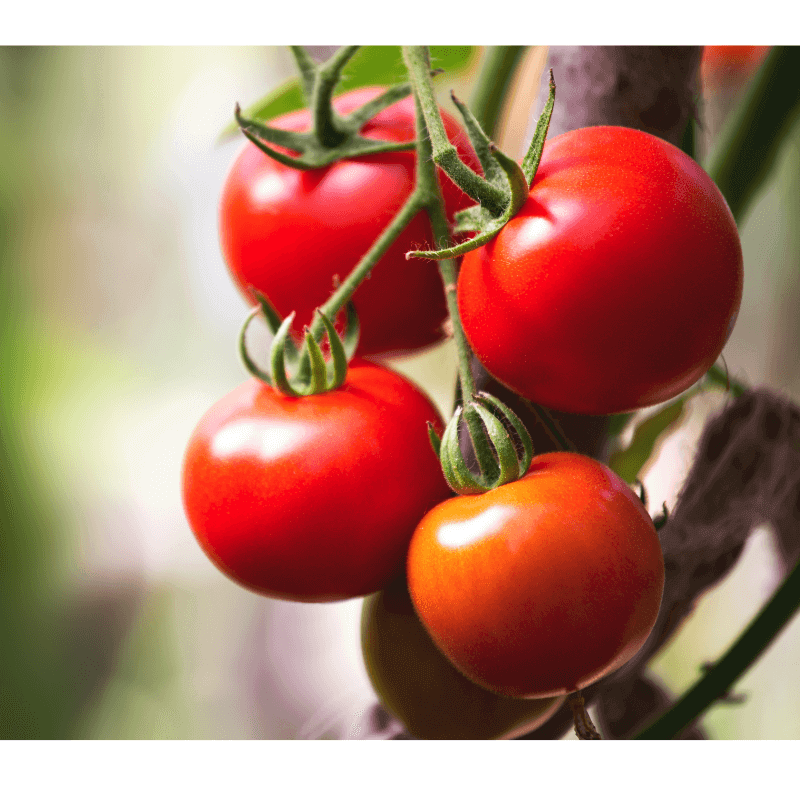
(545, 574)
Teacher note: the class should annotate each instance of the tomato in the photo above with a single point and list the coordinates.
(313, 498)
(541, 586)
(730, 63)
(288, 233)
(616, 285)
(424, 690)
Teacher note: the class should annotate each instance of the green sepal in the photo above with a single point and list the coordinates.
(337, 367)
(273, 320)
(503, 447)
(481, 143)
(517, 426)
(277, 359)
(481, 445)
(534, 155)
(313, 154)
(491, 225)
(372, 65)
(331, 137)
(472, 219)
(516, 179)
(312, 374)
(318, 379)
(249, 364)
(500, 172)
(356, 120)
(455, 469)
(436, 442)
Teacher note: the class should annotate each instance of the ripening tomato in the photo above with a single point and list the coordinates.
(313, 498)
(541, 586)
(616, 285)
(730, 64)
(424, 690)
(288, 233)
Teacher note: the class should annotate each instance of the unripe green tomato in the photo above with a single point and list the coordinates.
(424, 690)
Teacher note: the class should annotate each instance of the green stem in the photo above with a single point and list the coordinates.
(444, 153)
(418, 65)
(744, 652)
(494, 81)
(722, 378)
(324, 116)
(344, 292)
(552, 427)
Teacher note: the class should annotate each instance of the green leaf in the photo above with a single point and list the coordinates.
(628, 463)
(372, 65)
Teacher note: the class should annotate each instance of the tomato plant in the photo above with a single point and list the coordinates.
(424, 690)
(541, 586)
(616, 285)
(289, 233)
(313, 498)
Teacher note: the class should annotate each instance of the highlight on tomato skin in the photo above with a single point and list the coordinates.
(617, 284)
(290, 234)
(313, 498)
(542, 586)
(424, 690)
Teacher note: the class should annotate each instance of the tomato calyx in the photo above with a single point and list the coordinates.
(502, 190)
(302, 371)
(502, 446)
(332, 136)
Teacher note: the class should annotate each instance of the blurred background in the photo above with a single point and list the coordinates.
(118, 328)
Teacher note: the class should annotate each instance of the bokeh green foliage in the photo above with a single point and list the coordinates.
(57, 645)
(36, 700)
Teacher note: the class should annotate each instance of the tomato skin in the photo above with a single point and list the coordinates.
(424, 690)
(617, 284)
(541, 586)
(313, 498)
(288, 232)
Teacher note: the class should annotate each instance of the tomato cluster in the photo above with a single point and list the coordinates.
(615, 287)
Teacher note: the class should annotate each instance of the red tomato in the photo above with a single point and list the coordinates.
(541, 586)
(615, 286)
(288, 232)
(313, 498)
(730, 63)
